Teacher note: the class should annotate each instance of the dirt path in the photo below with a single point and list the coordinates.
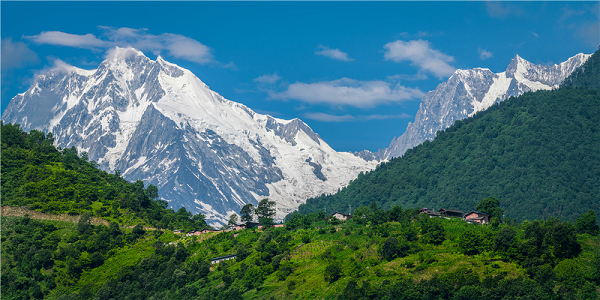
(21, 211)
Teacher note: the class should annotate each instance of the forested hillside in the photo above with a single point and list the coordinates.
(394, 254)
(380, 254)
(539, 153)
(588, 75)
(59, 181)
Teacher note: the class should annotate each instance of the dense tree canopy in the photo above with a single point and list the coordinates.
(37, 175)
(247, 212)
(405, 255)
(539, 153)
(490, 206)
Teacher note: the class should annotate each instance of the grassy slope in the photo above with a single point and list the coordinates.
(360, 261)
(359, 247)
(354, 247)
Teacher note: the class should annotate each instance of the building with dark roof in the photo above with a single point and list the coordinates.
(219, 259)
(451, 213)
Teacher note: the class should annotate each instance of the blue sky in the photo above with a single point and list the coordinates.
(353, 71)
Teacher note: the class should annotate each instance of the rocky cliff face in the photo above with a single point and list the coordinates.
(155, 121)
(469, 91)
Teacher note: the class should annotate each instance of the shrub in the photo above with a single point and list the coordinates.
(470, 242)
(291, 285)
(305, 238)
(587, 223)
(333, 272)
(392, 248)
(433, 231)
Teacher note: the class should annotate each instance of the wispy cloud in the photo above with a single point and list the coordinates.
(16, 55)
(267, 78)
(584, 23)
(346, 91)
(333, 53)
(421, 55)
(399, 77)
(530, 38)
(484, 54)
(174, 45)
(499, 9)
(324, 117)
(534, 34)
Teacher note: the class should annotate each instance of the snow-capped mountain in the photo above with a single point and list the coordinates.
(469, 91)
(158, 122)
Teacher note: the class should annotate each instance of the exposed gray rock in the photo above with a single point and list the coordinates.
(155, 121)
(469, 91)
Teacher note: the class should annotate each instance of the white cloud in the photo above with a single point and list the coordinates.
(348, 91)
(323, 117)
(174, 45)
(229, 65)
(421, 55)
(399, 77)
(498, 9)
(484, 54)
(333, 53)
(186, 48)
(61, 65)
(267, 78)
(86, 41)
(123, 53)
(16, 55)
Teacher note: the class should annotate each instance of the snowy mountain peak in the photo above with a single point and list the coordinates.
(158, 122)
(119, 53)
(468, 91)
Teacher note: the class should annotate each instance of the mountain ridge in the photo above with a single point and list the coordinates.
(219, 154)
(538, 153)
(469, 91)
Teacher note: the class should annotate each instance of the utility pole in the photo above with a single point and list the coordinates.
(350, 209)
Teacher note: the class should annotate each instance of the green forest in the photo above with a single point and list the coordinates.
(37, 175)
(539, 153)
(393, 254)
(396, 253)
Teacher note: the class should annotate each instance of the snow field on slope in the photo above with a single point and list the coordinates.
(497, 90)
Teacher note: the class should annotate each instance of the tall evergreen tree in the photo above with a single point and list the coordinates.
(247, 212)
(265, 211)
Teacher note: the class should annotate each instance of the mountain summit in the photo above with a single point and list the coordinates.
(468, 91)
(156, 121)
